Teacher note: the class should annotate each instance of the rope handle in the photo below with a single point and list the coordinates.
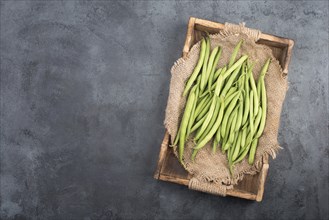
(207, 187)
(240, 28)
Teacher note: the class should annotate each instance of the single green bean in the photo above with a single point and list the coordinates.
(232, 148)
(192, 118)
(229, 125)
(257, 120)
(216, 74)
(252, 151)
(211, 132)
(243, 137)
(220, 115)
(259, 87)
(211, 77)
(232, 133)
(246, 101)
(264, 109)
(229, 98)
(227, 114)
(214, 145)
(209, 67)
(235, 53)
(204, 94)
(251, 113)
(224, 142)
(254, 89)
(234, 66)
(237, 147)
(200, 105)
(219, 84)
(177, 137)
(198, 124)
(239, 116)
(204, 110)
(230, 81)
(205, 62)
(208, 118)
(242, 156)
(197, 68)
(231, 91)
(184, 122)
(264, 69)
(212, 121)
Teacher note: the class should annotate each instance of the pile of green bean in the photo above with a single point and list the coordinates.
(224, 105)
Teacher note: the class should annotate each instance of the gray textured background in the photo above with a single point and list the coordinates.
(83, 91)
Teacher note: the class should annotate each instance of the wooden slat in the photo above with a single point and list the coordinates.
(189, 41)
(162, 155)
(261, 184)
(241, 194)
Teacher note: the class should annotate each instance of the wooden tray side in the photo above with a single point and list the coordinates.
(169, 169)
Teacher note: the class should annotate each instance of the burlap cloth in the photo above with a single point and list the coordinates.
(210, 171)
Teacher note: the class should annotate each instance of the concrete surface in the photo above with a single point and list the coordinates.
(83, 91)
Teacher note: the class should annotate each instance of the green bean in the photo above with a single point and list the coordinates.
(204, 110)
(192, 118)
(251, 112)
(232, 148)
(254, 89)
(264, 69)
(216, 74)
(263, 99)
(224, 142)
(232, 133)
(205, 62)
(246, 101)
(219, 84)
(197, 68)
(194, 154)
(211, 132)
(257, 119)
(201, 105)
(216, 78)
(198, 124)
(239, 116)
(235, 52)
(212, 121)
(231, 91)
(248, 139)
(177, 137)
(209, 67)
(229, 82)
(264, 109)
(207, 120)
(243, 137)
(227, 114)
(237, 147)
(184, 122)
(213, 69)
(234, 66)
(242, 156)
(229, 124)
(230, 97)
(214, 145)
(252, 151)
(220, 115)
(259, 89)
(204, 94)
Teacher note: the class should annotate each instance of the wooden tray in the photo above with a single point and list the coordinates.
(169, 169)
